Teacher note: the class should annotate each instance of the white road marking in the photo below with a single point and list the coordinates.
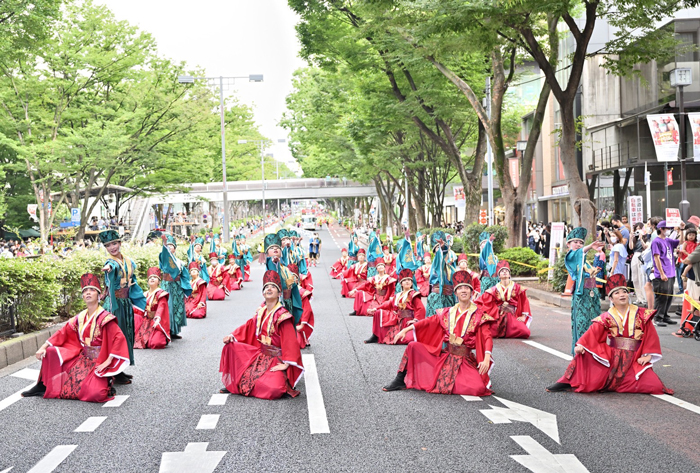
(544, 421)
(552, 351)
(541, 460)
(208, 422)
(91, 424)
(27, 373)
(218, 399)
(8, 470)
(678, 402)
(11, 399)
(471, 398)
(194, 458)
(116, 402)
(562, 312)
(53, 459)
(318, 422)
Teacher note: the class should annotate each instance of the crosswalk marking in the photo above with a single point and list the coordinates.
(318, 422)
(54, 458)
(29, 374)
(551, 351)
(11, 399)
(91, 424)
(208, 422)
(218, 399)
(116, 402)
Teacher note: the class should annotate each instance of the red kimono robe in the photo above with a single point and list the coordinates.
(614, 342)
(476, 283)
(307, 282)
(397, 313)
(373, 292)
(390, 263)
(216, 289)
(234, 281)
(306, 326)
(338, 267)
(267, 339)
(69, 368)
(199, 294)
(505, 305)
(153, 327)
(353, 276)
(423, 280)
(442, 358)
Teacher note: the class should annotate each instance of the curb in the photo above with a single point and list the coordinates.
(21, 348)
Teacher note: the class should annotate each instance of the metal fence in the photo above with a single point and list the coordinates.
(8, 318)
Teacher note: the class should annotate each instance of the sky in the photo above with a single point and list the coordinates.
(228, 38)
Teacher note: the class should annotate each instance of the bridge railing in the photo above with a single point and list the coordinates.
(312, 183)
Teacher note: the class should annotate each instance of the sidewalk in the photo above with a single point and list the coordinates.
(25, 346)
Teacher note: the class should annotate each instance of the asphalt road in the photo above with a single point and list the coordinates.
(368, 429)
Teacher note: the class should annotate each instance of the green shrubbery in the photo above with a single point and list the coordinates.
(532, 263)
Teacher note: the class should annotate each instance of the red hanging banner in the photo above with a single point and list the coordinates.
(669, 178)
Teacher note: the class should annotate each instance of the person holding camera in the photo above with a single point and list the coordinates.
(637, 245)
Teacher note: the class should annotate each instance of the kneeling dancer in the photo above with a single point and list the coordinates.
(433, 365)
(507, 303)
(262, 357)
(618, 351)
(80, 360)
(401, 310)
(153, 327)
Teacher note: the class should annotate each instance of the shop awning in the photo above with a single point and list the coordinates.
(545, 198)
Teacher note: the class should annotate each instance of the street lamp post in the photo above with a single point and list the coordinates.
(681, 78)
(212, 80)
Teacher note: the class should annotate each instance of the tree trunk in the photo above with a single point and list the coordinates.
(620, 192)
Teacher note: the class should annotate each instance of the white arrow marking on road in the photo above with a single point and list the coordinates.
(318, 421)
(218, 399)
(91, 424)
(552, 351)
(11, 399)
(194, 458)
(53, 459)
(116, 402)
(208, 422)
(541, 460)
(27, 373)
(544, 421)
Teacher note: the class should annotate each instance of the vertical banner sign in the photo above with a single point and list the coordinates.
(669, 177)
(635, 209)
(514, 170)
(695, 128)
(460, 198)
(555, 244)
(31, 208)
(673, 218)
(483, 217)
(664, 132)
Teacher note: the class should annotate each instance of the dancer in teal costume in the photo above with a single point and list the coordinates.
(193, 255)
(585, 303)
(374, 252)
(487, 262)
(441, 271)
(176, 280)
(353, 248)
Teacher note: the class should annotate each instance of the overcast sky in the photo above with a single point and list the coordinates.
(229, 38)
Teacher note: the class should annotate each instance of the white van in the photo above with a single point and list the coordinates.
(308, 222)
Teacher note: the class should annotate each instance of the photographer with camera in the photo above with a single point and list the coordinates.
(640, 281)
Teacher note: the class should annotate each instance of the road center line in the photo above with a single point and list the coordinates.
(561, 312)
(678, 402)
(53, 459)
(116, 402)
(318, 422)
(208, 422)
(8, 401)
(551, 351)
(218, 399)
(91, 424)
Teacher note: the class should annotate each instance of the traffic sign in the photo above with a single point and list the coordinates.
(75, 215)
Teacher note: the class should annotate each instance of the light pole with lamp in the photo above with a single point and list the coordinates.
(680, 78)
(212, 81)
(262, 165)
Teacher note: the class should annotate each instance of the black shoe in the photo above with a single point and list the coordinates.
(397, 384)
(37, 390)
(372, 339)
(558, 387)
(224, 391)
(128, 376)
(659, 322)
(112, 391)
(668, 321)
(353, 313)
(175, 336)
(121, 379)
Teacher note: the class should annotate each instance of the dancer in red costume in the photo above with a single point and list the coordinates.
(618, 351)
(80, 360)
(340, 265)
(463, 265)
(401, 310)
(196, 303)
(306, 326)
(423, 276)
(235, 274)
(389, 259)
(373, 292)
(507, 303)
(216, 289)
(261, 358)
(153, 327)
(355, 274)
(442, 359)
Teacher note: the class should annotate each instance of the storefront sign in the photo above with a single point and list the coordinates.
(673, 218)
(664, 132)
(560, 190)
(635, 209)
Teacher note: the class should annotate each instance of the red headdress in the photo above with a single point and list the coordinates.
(293, 268)
(271, 277)
(405, 273)
(462, 278)
(615, 282)
(213, 255)
(194, 265)
(462, 257)
(361, 251)
(154, 271)
(90, 280)
(502, 264)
